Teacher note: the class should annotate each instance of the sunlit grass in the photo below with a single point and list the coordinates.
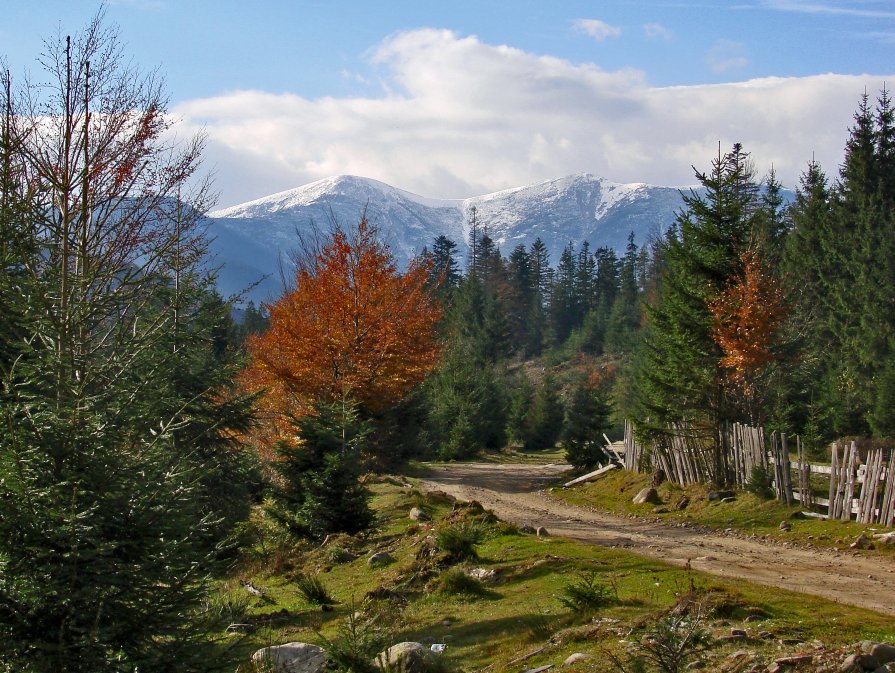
(524, 607)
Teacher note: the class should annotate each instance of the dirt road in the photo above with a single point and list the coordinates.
(513, 492)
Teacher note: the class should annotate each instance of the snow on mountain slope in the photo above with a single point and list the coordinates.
(252, 240)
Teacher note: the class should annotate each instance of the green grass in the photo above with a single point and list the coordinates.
(749, 513)
(525, 606)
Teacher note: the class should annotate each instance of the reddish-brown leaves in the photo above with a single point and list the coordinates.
(746, 317)
(353, 327)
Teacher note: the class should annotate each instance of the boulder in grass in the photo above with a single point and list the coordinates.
(648, 495)
(576, 658)
(380, 558)
(408, 657)
(485, 575)
(416, 514)
(718, 496)
(858, 663)
(291, 658)
(861, 542)
(884, 653)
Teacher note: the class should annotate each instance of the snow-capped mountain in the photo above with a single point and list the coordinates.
(252, 241)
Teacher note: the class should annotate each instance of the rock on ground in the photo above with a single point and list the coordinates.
(486, 575)
(380, 558)
(857, 663)
(292, 658)
(884, 652)
(575, 658)
(648, 495)
(416, 514)
(408, 657)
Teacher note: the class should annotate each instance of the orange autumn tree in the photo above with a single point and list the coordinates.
(746, 317)
(353, 328)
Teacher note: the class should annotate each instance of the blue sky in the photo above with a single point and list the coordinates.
(449, 99)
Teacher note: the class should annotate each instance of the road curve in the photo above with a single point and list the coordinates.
(515, 493)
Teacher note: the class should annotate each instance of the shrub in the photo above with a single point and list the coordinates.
(456, 581)
(459, 540)
(675, 641)
(313, 589)
(760, 482)
(671, 644)
(356, 643)
(587, 593)
(230, 605)
(339, 555)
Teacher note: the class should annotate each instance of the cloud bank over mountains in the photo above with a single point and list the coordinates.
(455, 116)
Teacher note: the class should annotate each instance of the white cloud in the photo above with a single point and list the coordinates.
(864, 10)
(726, 55)
(599, 30)
(460, 117)
(657, 31)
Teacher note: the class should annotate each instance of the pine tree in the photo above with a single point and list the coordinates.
(519, 296)
(564, 299)
(606, 286)
(445, 269)
(587, 418)
(807, 394)
(585, 282)
(544, 422)
(319, 492)
(518, 408)
(623, 323)
(540, 268)
(117, 423)
(464, 396)
(679, 372)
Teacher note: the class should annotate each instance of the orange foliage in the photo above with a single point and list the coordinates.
(353, 327)
(746, 317)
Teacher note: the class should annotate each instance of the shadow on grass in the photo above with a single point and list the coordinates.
(525, 628)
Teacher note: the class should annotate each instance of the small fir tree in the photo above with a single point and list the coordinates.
(319, 491)
(544, 423)
(587, 418)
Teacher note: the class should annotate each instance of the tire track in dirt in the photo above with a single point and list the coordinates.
(514, 492)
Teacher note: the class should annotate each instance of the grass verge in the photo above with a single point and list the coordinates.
(527, 608)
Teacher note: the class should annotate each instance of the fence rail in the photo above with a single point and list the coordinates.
(865, 490)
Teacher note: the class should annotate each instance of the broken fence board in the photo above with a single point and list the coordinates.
(591, 475)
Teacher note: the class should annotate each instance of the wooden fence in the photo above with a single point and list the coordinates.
(864, 490)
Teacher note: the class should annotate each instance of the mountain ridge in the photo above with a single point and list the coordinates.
(251, 240)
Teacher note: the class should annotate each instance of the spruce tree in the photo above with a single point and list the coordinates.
(465, 396)
(587, 418)
(117, 424)
(623, 323)
(606, 286)
(544, 422)
(679, 372)
(564, 299)
(319, 492)
(540, 268)
(445, 269)
(519, 296)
